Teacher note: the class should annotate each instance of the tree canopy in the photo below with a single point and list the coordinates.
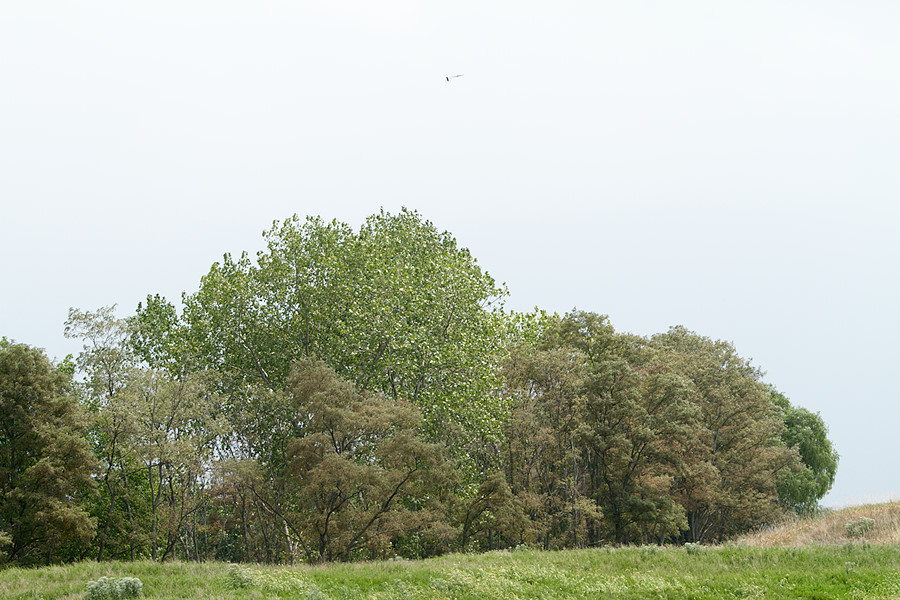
(396, 308)
(45, 460)
(800, 490)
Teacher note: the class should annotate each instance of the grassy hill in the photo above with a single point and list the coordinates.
(836, 527)
(808, 559)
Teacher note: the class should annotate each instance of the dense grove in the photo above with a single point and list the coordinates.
(352, 395)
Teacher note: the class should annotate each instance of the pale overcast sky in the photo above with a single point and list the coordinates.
(732, 167)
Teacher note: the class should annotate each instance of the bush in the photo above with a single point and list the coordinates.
(650, 550)
(239, 577)
(273, 581)
(5, 540)
(694, 548)
(112, 588)
(860, 527)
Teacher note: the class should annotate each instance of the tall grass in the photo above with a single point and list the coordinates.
(849, 571)
(831, 528)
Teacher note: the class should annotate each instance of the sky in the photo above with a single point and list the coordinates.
(729, 167)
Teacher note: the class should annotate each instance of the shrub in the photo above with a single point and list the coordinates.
(860, 527)
(5, 540)
(239, 577)
(273, 581)
(694, 548)
(112, 588)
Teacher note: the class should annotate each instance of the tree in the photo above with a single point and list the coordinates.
(359, 476)
(159, 339)
(801, 489)
(729, 482)
(492, 511)
(632, 421)
(634, 417)
(108, 367)
(176, 431)
(45, 462)
(600, 428)
(396, 308)
(543, 463)
(154, 432)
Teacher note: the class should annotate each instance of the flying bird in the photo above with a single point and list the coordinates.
(449, 77)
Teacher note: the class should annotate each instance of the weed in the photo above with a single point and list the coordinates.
(859, 527)
(240, 577)
(692, 548)
(650, 550)
(112, 588)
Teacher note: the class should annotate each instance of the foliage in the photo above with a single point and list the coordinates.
(360, 475)
(112, 588)
(636, 417)
(728, 483)
(157, 336)
(5, 540)
(45, 461)
(154, 434)
(614, 437)
(363, 394)
(541, 457)
(240, 577)
(695, 548)
(801, 489)
(396, 308)
(860, 527)
(491, 510)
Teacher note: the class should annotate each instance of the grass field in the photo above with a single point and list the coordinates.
(815, 559)
(857, 571)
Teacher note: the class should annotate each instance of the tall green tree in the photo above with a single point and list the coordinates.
(108, 367)
(176, 432)
(801, 489)
(358, 476)
(397, 308)
(600, 430)
(730, 482)
(154, 431)
(543, 463)
(45, 461)
(633, 422)
(635, 416)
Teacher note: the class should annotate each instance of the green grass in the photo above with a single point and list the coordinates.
(854, 571)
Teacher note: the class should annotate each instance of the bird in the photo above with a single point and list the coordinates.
(449, 77)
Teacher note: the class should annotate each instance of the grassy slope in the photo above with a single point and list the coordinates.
(830, 529)
(768, 565)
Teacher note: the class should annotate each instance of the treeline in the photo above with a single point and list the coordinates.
(351, 395)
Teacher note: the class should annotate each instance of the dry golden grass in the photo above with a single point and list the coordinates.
(831, 528)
